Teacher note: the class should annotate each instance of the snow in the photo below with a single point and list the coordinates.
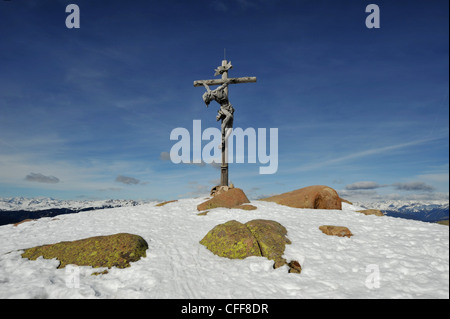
(386, 258)
(43, 203)
(406, 205)
(424, 210)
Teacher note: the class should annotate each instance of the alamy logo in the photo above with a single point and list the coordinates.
(373, 19)
(235, 146)
(73, 19)
(373, 279)
(72, 276)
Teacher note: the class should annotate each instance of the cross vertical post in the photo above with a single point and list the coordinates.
(224, 165)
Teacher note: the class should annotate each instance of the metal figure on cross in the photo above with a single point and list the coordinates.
(226, 110)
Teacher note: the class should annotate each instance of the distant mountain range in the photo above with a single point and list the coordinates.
(34, 204)
(16, 209)
(427, 211)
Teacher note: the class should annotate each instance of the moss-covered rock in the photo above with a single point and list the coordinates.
(232, 240)
(258, 237)
(443, 222)
(101, 251)
(271, 237)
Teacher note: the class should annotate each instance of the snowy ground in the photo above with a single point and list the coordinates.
(386, 258)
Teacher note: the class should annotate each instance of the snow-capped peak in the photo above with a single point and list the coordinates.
(41, 203)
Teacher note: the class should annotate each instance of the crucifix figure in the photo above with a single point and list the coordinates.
(225, 113)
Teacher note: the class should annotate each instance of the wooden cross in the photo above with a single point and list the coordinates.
(226, 109)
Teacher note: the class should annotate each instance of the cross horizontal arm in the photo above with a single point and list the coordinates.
(248, 79)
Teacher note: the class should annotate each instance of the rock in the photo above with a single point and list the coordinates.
(315, 197)
(375, 212)
(271, 237)
(101, 251)
(246, 207)
(339, 231)
(279, 263)
(23, 221)
(231, 198)
(294, 267)
(232, 240)
(164, 203)
(346, 201)
(258, 237)
(216, 190)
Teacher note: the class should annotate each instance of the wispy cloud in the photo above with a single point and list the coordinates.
(413, 186)
(365, 153)
(408, 186)
(196, 189)
(127, 180)
(40, 178)
(444, 177)
(363, 185)
(373, 196)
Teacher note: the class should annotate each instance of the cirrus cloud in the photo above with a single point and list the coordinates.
(40, 178)
(127, 180)
(413, 186)
(363, 185)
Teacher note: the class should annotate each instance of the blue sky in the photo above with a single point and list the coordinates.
(88, 112)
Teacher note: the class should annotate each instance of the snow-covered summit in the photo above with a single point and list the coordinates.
(385, 258)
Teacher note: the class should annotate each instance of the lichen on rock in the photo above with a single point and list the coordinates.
(271, 237)
(257, 237)
(101, 251)
(232, 240)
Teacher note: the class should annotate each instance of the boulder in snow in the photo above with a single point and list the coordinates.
(294, 267)
(271, 237)
(339, 231)
(257, 237)
(232, 240)
(100, 251)
(165, 203)
(231, 198)
(375, 212)
(246, 207)
(23, 221)
(314, 197)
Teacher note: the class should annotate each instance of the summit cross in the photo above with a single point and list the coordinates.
(225, 113)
